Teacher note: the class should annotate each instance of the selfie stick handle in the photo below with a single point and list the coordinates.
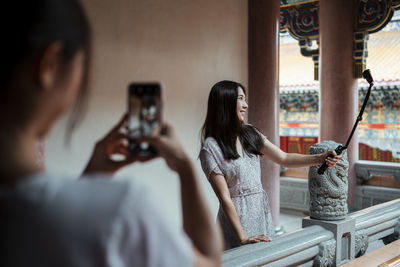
(324, 166)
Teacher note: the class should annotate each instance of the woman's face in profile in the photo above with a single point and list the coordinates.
(241, 106)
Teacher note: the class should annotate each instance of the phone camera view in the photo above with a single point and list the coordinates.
(144, 116)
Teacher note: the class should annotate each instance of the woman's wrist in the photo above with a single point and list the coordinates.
(243, 239)
(320, 159)
(185, 166)
(242, 236)
(89, 169)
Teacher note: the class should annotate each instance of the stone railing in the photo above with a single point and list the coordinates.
(295, 195)
(317, 246)
(368, 195)
(378, 222)
(365, 169)
(294, 248)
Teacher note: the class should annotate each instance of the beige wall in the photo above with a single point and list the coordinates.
(188, 45)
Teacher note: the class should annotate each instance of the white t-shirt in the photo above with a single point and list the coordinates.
(55, 221)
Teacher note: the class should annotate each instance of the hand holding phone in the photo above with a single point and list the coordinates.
(171, 150)
(145, 116)
(112, 144)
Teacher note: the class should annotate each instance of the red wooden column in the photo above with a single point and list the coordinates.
(263, 86)
(338, 91)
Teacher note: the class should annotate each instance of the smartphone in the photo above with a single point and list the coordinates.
(144, 109)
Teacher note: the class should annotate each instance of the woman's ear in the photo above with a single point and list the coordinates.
(49, 67)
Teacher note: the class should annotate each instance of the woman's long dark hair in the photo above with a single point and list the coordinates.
(29, 27)
(222, 122)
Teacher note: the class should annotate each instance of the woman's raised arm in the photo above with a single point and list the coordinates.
(294, 160)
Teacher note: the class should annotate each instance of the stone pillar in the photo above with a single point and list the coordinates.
(338, 91)
(264, 86)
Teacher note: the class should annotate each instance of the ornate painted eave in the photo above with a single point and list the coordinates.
(305, 97)
(372, 16)
(286, 3)
(300, 19)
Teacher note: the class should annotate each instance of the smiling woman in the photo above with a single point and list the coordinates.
(241, 105)
(230, 158)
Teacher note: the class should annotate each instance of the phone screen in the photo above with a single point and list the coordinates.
(144, 104)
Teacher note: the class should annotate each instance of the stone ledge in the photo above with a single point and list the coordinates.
(294, 193)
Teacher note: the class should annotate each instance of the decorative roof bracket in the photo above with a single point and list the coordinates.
(300, 19)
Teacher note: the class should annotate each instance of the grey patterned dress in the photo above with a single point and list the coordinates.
(243, 177)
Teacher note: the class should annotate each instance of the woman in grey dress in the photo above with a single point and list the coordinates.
(230, 158)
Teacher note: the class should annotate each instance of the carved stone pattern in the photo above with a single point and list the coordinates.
(326, 255)
(361, 242)
(328, 192)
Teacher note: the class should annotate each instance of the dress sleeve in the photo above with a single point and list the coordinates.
(263, 137)
(209, 162)
(143, 235)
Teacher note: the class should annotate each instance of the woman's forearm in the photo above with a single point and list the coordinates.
(230, 212)
(294, 160)
(198, 221)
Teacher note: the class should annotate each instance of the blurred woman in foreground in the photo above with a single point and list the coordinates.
(50, 220)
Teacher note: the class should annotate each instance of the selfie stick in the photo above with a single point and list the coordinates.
(366, 75)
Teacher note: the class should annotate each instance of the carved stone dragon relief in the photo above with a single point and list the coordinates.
(326, 255)
(328, 192)
(361, 242)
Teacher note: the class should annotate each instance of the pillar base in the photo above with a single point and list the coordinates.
(279, 230)
(344, 234)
